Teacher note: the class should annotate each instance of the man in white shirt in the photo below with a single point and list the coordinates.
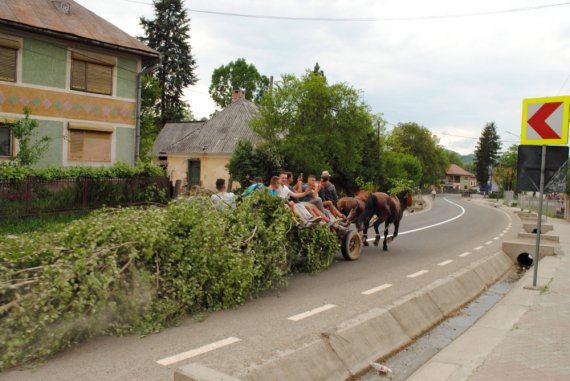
(222, 199)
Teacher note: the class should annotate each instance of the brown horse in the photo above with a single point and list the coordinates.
(388, 209)
(352, 207)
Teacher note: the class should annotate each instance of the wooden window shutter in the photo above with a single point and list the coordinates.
(99, 79)
(5, 140)
(90, 146)
(8, 64)
(76, 138)
(79, 75)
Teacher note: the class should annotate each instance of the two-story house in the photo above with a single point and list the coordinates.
(77, 73)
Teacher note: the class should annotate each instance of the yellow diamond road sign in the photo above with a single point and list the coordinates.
(545, 121)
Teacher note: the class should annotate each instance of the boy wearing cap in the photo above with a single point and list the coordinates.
(327, 191)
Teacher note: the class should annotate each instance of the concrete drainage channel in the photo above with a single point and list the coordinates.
(407, 361)
(347, 351)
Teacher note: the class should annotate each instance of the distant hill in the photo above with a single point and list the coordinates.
(468, 159)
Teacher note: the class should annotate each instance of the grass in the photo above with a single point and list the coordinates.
(45, 223)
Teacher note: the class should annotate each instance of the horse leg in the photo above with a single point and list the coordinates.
(377, 224)
(385, 245)
(367, 216)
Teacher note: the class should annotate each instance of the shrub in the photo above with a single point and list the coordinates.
(119, 271)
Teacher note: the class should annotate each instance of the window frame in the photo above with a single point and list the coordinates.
(15, 44)
(91, 62)
(72, 155)
(11, 152)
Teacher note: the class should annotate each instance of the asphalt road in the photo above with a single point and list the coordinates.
(453, 233)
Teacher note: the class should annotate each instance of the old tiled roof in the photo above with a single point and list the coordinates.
(174, 132)
(48, 17)
(221, 133)
(456, 170)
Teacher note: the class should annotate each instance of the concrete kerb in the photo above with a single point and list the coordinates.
(353, 345)
(547, 237)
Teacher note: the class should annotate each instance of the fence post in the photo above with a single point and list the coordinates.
(28, 197)
(84, 193)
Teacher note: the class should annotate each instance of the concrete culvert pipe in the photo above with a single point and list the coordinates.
(524, 260)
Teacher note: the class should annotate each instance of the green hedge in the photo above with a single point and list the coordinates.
(13, 172)
(130, 270)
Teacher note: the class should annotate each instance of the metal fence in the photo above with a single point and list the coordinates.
(551, 207)
(33, 196)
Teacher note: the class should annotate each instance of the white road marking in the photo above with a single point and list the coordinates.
(502, 234)
(376, 289)
(478, 248)
(197, 351)
(496, 238)
(488, 242)
(444, 263)
(311, 312)
(465, 254)
(421, 272)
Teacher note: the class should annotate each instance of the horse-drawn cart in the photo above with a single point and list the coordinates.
(350, 244)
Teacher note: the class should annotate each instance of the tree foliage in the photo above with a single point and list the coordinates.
(237, 74)
(486, 152)
(31, 146)
(418, 141)
(150, 96)
(506, 170)
(400, 166)
(317, 126)
(168, 33)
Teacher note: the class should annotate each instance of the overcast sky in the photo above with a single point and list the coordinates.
(451, 75)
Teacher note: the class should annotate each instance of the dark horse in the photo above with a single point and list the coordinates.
(388, 209)
(353, 207)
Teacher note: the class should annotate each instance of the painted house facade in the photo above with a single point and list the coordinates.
(77, 74)
(197, 152)
(459, 179)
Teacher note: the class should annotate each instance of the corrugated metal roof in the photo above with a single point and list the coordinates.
(174, 132)
(49, 15)
(221, 133)
(456, 170)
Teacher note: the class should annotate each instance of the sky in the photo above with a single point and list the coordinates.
(450, 74)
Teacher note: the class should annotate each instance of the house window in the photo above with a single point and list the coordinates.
(8, 59)
(90, 146)
(92, 73)
(6, 146)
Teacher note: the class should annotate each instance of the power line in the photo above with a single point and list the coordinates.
(368, 19)
(376, 19)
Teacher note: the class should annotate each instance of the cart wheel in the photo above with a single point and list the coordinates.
(351, 245)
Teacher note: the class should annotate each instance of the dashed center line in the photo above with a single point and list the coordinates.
(478, 248)
(488, 242)
(502, 234)
(445, 263)
(312, 312)
(465, 254)
(496, 238)
(421, 272)
(197, 351)
(376, 289)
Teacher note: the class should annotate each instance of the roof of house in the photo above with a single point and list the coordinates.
(221, 133)
(174, 132)
(76, 22)
(456, 170)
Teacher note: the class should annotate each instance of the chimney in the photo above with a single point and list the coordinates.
(237, 94)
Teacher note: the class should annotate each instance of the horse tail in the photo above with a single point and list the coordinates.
(370, 207)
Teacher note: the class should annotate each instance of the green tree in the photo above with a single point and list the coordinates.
(400, 166)
(248, 162)
(237, 74)
(168, 33)
(316, 126)
(418, 141)
(454, 158)
(506, 170)
(486, 152)
(150, 96)
(31, 147)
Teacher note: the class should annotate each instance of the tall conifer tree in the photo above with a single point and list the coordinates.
(486, 152)
(169, 34)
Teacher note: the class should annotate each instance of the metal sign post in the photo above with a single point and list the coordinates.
(539, 223)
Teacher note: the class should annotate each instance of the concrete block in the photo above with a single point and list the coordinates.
(198, 372)
(416, 313)
(547, 237)
(366, 338)
(315, 361)
(545, 228)
(514, 248)
(448, 294)
(471, 282)
(493, 268)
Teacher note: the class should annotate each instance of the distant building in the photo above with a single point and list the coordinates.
(197, 152)
(458, 179)
(77, 74)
